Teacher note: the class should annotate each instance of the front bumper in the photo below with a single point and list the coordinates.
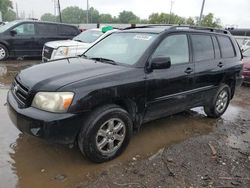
(53, 127)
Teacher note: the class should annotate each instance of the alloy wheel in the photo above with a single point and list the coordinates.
(2, 53)
(222, 100)
(110, 136)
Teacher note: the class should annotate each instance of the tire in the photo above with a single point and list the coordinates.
(97, 135)
(4, 54)
(219, 102)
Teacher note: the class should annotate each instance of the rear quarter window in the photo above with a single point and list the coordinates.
(202, 47)
(65, 30)
(226, 46)
(47, 29)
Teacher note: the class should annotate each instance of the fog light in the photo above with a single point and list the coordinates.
(36, 131)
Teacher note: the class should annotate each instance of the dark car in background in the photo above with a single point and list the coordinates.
(26, 38)
(246, 69)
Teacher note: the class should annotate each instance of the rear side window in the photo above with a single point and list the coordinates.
(202, 47)
(175, 47)
(47, 29)
(227, 49)
(68, 30)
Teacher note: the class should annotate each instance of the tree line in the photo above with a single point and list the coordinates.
(6, 9)
(76, 15)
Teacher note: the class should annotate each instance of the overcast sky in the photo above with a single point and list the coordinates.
(231, 12)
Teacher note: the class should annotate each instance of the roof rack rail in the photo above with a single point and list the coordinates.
(179, 26)
(147, 26)
(200, 28)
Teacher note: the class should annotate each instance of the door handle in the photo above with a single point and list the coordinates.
(188, 70)
(220, 64)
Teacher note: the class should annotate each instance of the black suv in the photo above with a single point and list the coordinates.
(26, 38)
(128, 78)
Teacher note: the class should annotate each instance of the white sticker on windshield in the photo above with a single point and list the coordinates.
(142, 37)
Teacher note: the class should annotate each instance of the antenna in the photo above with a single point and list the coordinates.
(87, 11)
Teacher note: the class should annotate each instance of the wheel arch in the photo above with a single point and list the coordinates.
(231, 81)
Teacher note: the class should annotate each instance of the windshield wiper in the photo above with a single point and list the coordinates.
(104, 60)
(78, 40)
(83, 56)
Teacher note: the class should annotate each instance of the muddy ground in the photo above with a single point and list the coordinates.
(184, 150)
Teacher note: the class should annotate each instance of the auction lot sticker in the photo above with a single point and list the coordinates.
(142, 37)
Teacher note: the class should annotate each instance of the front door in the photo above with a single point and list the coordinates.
(169, 90)
(23, 42)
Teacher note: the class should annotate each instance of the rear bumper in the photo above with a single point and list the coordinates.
(53, 127)
(246, 79)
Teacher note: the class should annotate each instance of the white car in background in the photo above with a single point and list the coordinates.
(70, 48)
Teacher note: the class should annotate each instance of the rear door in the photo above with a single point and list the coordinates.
(168, 90)
(46, 33)
(206, 56)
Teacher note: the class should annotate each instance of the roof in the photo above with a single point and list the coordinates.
(37, 21)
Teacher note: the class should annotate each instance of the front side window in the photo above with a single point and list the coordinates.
(226, 46)
(126, 48)
(202, 47)
(25, 29)
(175, 47)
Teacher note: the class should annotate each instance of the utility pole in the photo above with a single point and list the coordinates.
(59, 11)
(170, 13)
(202, 8)
(17, 15)
(87, 11)
(54, 1)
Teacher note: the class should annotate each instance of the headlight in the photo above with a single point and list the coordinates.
(62, 51)
(53, 101)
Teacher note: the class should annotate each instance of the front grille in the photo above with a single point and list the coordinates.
(20, 93)
(47, 52)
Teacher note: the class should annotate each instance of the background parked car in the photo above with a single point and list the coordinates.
(77, 46)
(246, 69)
(245, 45)
(26, 38)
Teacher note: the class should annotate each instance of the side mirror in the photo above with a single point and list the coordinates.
(13, 32)
(160, 63)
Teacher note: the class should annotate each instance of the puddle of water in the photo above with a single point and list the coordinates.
(30, 162)
(8, 70)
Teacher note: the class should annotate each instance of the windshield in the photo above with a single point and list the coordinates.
(246, 53)
(124, 48)
(5, 27)
(88, 36)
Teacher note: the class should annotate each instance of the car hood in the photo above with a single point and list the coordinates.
(56, 74)
(67, 43)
